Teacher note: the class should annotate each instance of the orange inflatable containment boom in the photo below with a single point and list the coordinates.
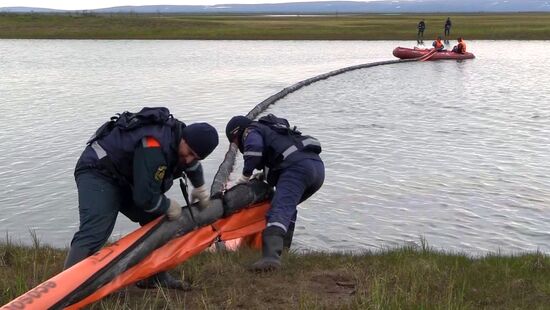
(241, 224)
(160, 245)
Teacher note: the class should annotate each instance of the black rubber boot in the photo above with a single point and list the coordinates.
(287, 240)
(75, 255)
(272, 247)
(164, 280)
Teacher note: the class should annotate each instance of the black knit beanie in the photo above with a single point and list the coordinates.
(202, 138)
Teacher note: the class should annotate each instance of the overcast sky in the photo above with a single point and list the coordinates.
(84, 5)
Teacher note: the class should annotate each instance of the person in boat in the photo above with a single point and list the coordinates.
(460, 47)
(291, 163)
(420, 35)
(129, 171)
(438, 44)
(448, 25)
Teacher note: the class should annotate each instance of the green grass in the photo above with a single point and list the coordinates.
(518, 26)
(405, 278)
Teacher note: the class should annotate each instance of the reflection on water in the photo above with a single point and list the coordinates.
(456, 152)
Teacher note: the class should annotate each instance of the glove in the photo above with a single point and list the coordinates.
(243, 179)
(201, 194)
(260, 176)
(174, 210)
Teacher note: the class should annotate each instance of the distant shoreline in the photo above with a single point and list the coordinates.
(490, 26)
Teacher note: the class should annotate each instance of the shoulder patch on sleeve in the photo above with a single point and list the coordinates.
(150, 142)
(159, 175)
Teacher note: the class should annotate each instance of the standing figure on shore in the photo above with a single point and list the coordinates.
(448, 25)
(289, 161)
(126, 167)
(420, 35)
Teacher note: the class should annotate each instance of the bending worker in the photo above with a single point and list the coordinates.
(291, 163)
(127, 167)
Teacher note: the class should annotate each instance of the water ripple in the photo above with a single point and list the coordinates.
(453, 152)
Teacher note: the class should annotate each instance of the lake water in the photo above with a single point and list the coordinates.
(454, 152)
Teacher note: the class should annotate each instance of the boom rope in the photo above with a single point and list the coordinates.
(226, 167)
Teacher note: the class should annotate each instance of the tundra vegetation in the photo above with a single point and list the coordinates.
(411, 277)
(518, 26)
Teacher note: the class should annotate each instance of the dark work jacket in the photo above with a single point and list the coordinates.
(122, 148)
(268, 151)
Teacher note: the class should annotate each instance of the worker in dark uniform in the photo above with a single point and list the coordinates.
(448, 25)
(128, 171)
(420, 35)
(292, 164)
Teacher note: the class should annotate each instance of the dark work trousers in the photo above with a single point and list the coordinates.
(99, 201)
(296, 184)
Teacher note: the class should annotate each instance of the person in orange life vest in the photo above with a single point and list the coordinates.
(438, 45)
(128, 171)
(460, 47)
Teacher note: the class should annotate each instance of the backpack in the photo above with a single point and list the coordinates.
(127, 121)
(279, 125)
(282, 126)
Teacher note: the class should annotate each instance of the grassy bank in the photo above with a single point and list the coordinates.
(395, 279)
(341, 27)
